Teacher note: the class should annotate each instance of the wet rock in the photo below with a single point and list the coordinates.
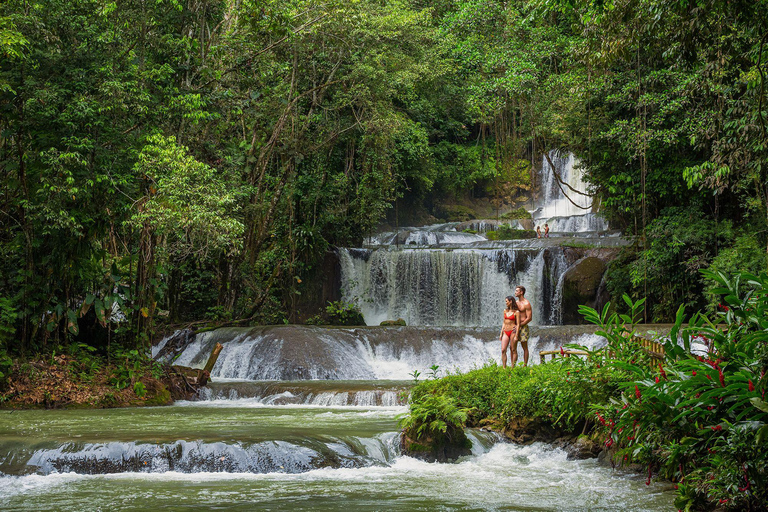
(392, 323)
(527, 430)
(446, 447)
(583, 448)
(175, 345)
(580, 286)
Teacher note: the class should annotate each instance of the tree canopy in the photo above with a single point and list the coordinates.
(200, 157)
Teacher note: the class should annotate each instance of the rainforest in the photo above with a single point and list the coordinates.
(327, 201)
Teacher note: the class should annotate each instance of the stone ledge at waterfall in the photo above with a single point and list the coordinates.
(303, 352)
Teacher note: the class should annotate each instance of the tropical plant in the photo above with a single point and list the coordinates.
(700, 416)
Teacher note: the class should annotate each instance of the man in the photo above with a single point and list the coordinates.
(546, 230)
(525, 318)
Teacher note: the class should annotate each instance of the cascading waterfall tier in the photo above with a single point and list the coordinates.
(565, 214)
(451, 287)
(290, 353)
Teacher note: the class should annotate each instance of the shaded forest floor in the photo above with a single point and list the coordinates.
(64, 381)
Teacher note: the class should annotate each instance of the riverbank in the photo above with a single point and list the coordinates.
(66, 381)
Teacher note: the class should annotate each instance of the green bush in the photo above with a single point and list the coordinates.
(507, 232)
(747, 255)
(520, 213)
(698, 419)
(338, 313)
(559, 392)
(432, 415)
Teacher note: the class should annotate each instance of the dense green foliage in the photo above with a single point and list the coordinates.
(190, 160)
(696, 417)
(700, 419)
(559, 393)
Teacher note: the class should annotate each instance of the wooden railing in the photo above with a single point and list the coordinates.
(565, 352)
(654, 349)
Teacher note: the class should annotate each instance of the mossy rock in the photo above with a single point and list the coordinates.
(456, 213)
(519, 213)
(444, 447)
(580, 286)
(393, 323)
(163, 397)
(504, 232)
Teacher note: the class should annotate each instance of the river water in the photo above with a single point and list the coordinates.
(244, 455)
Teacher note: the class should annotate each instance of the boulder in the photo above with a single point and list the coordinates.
(445, 447)
(393, 323)
(581, 283)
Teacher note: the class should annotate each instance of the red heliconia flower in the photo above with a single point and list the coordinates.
(751, 386)
(562, 352)
(722, 377)
(693, 373)
(709, 377)
(717, 428)
(637, 392)
(657, 380)
(723, 501)
(663, 373)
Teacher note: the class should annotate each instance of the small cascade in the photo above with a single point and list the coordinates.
(291, 353)
(434, 236)
(209, 457)
(314, 393)
(565, 214)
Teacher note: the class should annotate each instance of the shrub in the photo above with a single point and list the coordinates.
(338, 313)
(698, 419)
(520, 213)
(507, 232)
(559, 392)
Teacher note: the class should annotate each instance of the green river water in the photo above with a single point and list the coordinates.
(243, 455)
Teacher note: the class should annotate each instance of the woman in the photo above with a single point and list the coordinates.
(509, 331)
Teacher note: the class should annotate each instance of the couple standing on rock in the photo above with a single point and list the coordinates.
(517, 316)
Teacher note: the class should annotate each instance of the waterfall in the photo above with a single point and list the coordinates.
(300, 353)
(458, 287)
(554, 208)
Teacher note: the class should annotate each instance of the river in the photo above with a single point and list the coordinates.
(244, 455)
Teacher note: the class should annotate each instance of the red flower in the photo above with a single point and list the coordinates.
(663, 373)
(693, 373)
(637, 392)
(721, 502)
(657, 380)
(562, 352)
(751, 386)
(609, 442)
(722, 377)
(717, 428)
(709, 377)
